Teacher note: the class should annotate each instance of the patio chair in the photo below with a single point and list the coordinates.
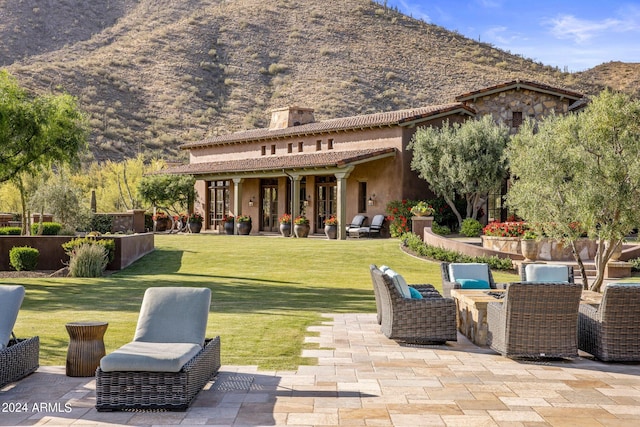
(356, 223)
(466, 276)
(169, 360)
(431, 319)
(535, 320)
(611, 332)
(425, 289)
(546, 273)
(372, 229)
(18, 357)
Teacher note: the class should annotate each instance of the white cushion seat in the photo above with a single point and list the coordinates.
(150, 356)
(10, 301)
(547, 273)
(477, 271)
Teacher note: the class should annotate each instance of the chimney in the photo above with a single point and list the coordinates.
(286, 117)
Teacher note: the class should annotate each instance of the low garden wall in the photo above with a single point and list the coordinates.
(548, 250)
(129, 248)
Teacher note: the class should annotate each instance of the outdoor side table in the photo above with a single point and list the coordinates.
(86, 348)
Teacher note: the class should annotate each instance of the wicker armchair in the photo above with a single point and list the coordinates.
(431, 319)
(611, 332)
(479, 270)
(426, 290)
(535, 272)
(18, 357)
(168, 362)
(535, 320)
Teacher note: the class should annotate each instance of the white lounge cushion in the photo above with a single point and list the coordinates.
(10, 301)
(148, 356)
(399, 282)
(174, 315)
(472, 270)
(546, 273)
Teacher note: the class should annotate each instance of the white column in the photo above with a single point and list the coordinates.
(341, 178)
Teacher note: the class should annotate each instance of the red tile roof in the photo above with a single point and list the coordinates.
(390, 118)
(520, 84)
(291, 161)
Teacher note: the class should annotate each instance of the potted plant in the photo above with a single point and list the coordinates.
(161, 221)
(301, 226)
(422, 209)
(285, 225)
(194, 222)
(228, 221)
(529, 246)
(331, 227)
(243, 223)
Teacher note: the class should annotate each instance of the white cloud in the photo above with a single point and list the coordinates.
(583, 30)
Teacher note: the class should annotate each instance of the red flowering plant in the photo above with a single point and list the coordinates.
(160, 215)
(301, 220)
(399, 216)
(285, 219)
(332, 220)
(505, 229)
(228, 218)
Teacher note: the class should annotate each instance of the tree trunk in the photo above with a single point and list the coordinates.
(23, 205)
(583, 271)
(603, 254)
(455, 210)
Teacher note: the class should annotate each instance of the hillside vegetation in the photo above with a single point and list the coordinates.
(156, 73)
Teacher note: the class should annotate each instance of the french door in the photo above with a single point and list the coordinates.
(269, 205)
(326, 200)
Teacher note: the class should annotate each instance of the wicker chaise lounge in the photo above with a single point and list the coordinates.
(454, 273)
(431, 319)
(18, 357)
(168, 362)
(535, 320)
(611, 332)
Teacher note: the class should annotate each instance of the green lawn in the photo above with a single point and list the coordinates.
(266, 291)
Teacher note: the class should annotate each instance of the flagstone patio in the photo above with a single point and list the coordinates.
(364, 379)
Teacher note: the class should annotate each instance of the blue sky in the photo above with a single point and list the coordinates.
(572, 35)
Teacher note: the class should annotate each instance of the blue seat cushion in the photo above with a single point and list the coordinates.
(11, 297)
(546, 273)
(414, 293)
(399, 282)
(473, 284)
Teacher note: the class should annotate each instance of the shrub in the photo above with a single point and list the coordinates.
(399, 216)
(48, 228)
(10, 231)
(102, 223)
(415, 244)
(23, 258)
(635, 264)
(108, 244)
(471, 227)
(441, 230)
(88, 260)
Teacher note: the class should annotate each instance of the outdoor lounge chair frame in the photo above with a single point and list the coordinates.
(535, 320)
(611, 332)
(173, 391)
(426, 321)
(19, 359)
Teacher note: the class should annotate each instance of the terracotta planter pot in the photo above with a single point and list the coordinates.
(529, 249)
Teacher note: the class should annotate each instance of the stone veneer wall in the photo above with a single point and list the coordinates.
(531, 103)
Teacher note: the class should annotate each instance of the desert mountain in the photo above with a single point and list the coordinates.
(152, 74)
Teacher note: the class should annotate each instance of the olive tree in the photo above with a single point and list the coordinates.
(173, 193)
(580, 173)
(465, 160)
(37, 130)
